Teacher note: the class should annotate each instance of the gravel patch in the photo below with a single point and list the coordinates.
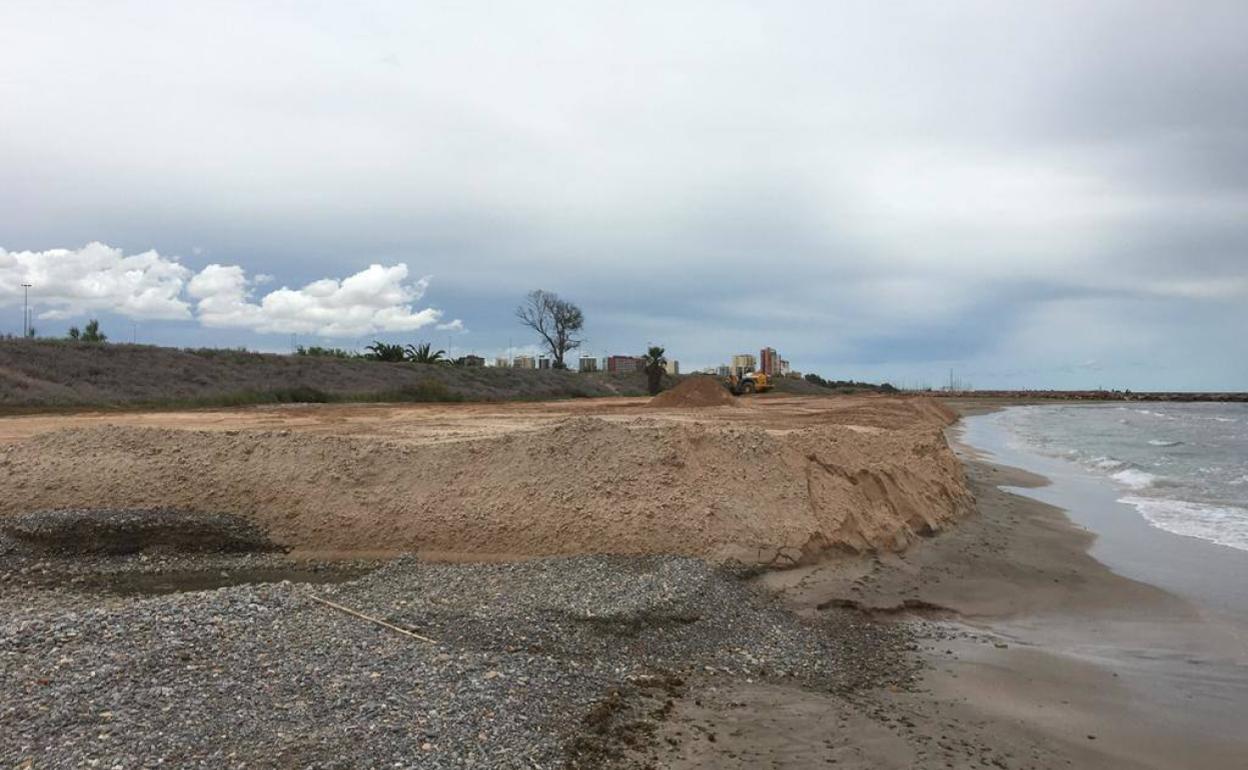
(112, 531)
(530, 659)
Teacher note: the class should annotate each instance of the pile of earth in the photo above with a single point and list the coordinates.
(586, 485)
(695, 392)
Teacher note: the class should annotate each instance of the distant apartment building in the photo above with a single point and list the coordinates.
(672, 368)
(543, 363)
(502, 362)
(624, 364)
(743, 363)
(472, 360)
(588, 364)
(784, 368)
(523, 362)
(769, 362)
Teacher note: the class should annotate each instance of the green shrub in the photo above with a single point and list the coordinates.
(848, 386)
(316, 351)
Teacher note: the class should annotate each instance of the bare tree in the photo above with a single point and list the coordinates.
(556, 320)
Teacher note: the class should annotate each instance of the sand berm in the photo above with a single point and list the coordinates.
(720, 483)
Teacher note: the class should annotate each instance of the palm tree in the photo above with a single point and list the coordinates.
(380, 351)
(655, 366)
(425, 354)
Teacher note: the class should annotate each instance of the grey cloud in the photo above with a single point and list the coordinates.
(870, 189)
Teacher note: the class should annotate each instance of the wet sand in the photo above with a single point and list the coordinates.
(1102, 670)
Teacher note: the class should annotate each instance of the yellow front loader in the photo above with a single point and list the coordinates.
(753, 382)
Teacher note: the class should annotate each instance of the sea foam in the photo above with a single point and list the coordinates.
(1222, 524)
(1134, 479)
(1106, 463)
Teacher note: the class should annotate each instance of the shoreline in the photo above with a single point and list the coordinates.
(1201, 569)
(1108, 668)
(1047, 655)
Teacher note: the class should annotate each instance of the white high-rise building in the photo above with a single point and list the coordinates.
(743, 363)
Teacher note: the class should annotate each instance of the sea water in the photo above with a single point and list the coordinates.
(1182, 467)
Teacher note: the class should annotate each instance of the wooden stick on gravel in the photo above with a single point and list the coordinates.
(378, 621)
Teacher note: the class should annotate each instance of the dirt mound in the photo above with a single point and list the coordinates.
(582, 485)
(890, 412)
(695, 392)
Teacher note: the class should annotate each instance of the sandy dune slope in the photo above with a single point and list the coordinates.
(777, 481)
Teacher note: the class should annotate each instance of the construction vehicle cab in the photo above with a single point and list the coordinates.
(751, 382)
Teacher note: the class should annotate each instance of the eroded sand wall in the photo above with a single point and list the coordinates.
(585, 484)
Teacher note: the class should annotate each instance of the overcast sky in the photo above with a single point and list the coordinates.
(1032, 194)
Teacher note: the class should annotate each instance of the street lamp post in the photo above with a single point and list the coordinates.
(26, 310)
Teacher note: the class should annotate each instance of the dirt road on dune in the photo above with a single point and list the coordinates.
(773, 480)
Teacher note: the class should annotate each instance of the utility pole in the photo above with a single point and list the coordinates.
(26, 310)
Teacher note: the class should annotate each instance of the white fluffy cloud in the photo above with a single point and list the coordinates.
(69, 282)
(100, 278)
(223, 296)
(376, 299)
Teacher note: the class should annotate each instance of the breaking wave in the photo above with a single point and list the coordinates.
(1223, 524)
(1134, 448)
(1106, 463)
(1134, 479)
